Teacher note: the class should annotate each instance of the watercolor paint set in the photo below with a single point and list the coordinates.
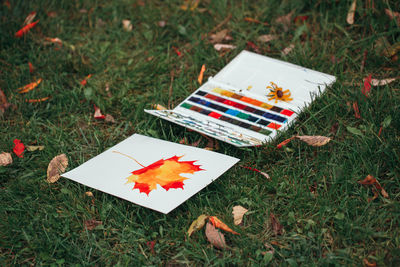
(249, 101)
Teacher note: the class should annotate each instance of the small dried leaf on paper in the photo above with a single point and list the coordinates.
(127, 25)
(97, 113)
(201, 74)
(30, 18)
(352, 11)
(219, 36)
(366, 89)
(29, 86)
(219, 47)
(314, 140)
(91, 224)
(5, 159)
(219, 224)
(371, 180)
(276, 226)
(18, 148)
(287, 50)
(215, 237)
(25, 29)
(238, 212)
(376, 82)
(56, 167)
(393, 15)
(197, 224)
(267, 38)
(34, 148)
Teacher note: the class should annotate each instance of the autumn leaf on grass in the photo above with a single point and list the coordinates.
(220, 47)
(97, 113)
(91, 224)
(215, 237)
(18, 148)
(219, 224)
(220, 36)
(31, 68)
(350, 14)
(197, 224)
(238, 212)
(314, 140)
(367, 85)
(30, 18)
(376, 82)
(5, 159)
(25, 29)
(370, 180)
(56, 41)
(34, 148)
(267, 38)
(276, 226)
(164, 172)
(29, 86)
(285, 20)
(393, 15)
(4, 105)
(56, 167)
(84, 81)
(368, 263)
(266, 175)
(287, 50)
(127, 25)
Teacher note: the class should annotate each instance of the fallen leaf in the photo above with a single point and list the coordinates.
(276, 226)
(177, 51)
(89, 194)
(287, 50)
(19, 148)
(56, 167)
(370, 180)
(367, 85)
(31, 68)
(197, 224)
(253, 46)
(219, 224)
(215, 237)
(56, 41)
(314, 140)
(190, 5)
(369, 264)
(267, 38)
(350, 14)
(356, 110)
(285, 142)
(127, 25)
(34, 148)
(270, 249)
(84, 81)
(238, 212)
(25, 29)
(393, 15)
(97, 113)
(219, 36)
(37, 100)
(212, 144)
(30, 18)
(159, 107)
(5, 159)
(91, 224)
(334, 128)
(162, 23)
(108, 90)
(252, 20)
(200, 78)
(219, 47)
(109, 118)
(285, 20)
(260, 172)
(4, 105)
(376, 82)
(29, 86)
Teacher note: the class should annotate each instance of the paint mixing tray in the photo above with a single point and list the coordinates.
(250, 100)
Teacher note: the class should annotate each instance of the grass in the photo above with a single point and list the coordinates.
(43, 223)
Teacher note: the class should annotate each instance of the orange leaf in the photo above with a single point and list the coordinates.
(84, 81)
(29, 86)
(219, 224)
(25, 29)
(252, 20)
(285, 142)
(31, 68)
(200, 78)
(37, 100)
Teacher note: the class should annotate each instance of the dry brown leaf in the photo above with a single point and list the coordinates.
(161, 23)
(220, 47)
(376, 82)
(91, 224)
(197, 224)
(56, 167)
(285, 20)
(287, 50)
(5, 159)
(267, 38)
(276, 226)
(215, 237)
(270, 249)
(314, 140)
(219, 36)
(371, 180)
(4, 105)
(127, 25)
(238, 212)
(352, 11)
(34, 148)
(109, 118)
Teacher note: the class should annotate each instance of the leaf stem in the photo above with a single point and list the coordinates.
(130, 158)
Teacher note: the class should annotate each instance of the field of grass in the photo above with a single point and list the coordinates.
(313, 191)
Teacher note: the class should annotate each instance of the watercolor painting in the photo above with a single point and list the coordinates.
(152, 173)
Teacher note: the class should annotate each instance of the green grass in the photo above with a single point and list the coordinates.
(43, 223)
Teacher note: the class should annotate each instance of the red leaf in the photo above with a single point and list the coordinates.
(367, 85)
(177, 51)
(97, 113)
(31, 68)
(84, 81)
(253, 46)
(18, 148)
(25, 29)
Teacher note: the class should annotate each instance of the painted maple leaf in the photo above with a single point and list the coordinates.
(165, 172)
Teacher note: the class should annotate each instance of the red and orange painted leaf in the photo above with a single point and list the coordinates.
(219, 224)
(37, 100)
(84, 81)
(19, 148)
(25, 29)
(164, 172)
(29, 86)
(200, 78)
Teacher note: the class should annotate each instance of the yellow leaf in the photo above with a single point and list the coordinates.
(197, 224)
(238, 212)
(314, 140)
